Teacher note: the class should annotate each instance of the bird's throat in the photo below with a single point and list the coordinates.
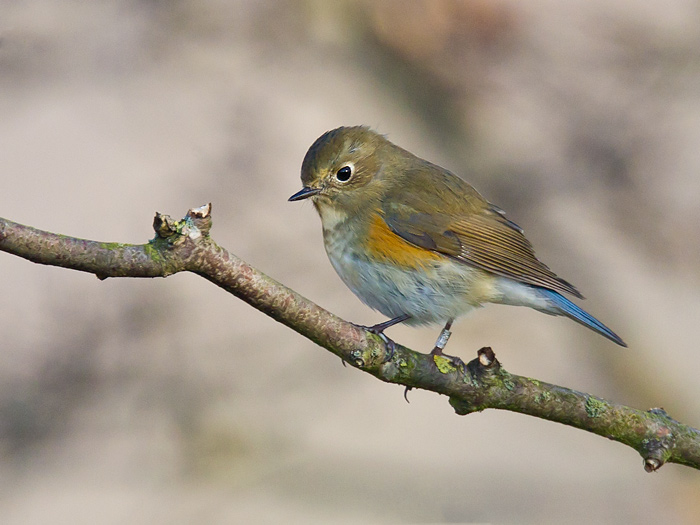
(331, 217)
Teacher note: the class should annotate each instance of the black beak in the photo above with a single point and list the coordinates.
(304, 193)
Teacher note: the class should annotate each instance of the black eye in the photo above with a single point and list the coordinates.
(344, 174)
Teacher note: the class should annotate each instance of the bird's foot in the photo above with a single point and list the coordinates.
(378, 329)
(454, 360)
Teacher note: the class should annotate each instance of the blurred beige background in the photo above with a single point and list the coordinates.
(168, 401)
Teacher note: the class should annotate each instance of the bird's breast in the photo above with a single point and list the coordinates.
(395, 277)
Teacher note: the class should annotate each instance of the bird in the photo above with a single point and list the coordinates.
(418, 243)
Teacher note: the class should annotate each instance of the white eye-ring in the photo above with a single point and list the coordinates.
(345, 172)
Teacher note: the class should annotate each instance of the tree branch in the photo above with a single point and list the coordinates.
(186, 246)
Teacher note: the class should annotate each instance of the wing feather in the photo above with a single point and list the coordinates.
(483, 238)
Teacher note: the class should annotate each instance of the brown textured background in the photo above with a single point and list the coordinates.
(168, 401)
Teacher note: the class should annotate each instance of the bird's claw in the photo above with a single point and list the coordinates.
(389, 345)
(378, 330)
(453, 359)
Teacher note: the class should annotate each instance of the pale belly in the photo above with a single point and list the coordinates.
(441, 290)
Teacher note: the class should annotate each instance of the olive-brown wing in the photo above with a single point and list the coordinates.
(485, 239)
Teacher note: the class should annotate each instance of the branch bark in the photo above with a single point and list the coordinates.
(482, 383)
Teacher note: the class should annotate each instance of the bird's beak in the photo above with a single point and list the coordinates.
(304, 193)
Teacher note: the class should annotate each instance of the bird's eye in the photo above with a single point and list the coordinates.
(344, 174)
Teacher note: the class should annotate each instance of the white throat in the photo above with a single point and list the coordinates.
(330, 216)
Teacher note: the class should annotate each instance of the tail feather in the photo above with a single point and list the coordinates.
(563, 306)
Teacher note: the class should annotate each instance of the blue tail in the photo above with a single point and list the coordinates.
(569, 309)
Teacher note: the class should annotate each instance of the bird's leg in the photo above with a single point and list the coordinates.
(378, 329)
(443, 338)
(442, 341)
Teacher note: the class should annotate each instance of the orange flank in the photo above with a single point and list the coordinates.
(385, 246)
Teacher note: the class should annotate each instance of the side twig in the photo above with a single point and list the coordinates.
(186, 246)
